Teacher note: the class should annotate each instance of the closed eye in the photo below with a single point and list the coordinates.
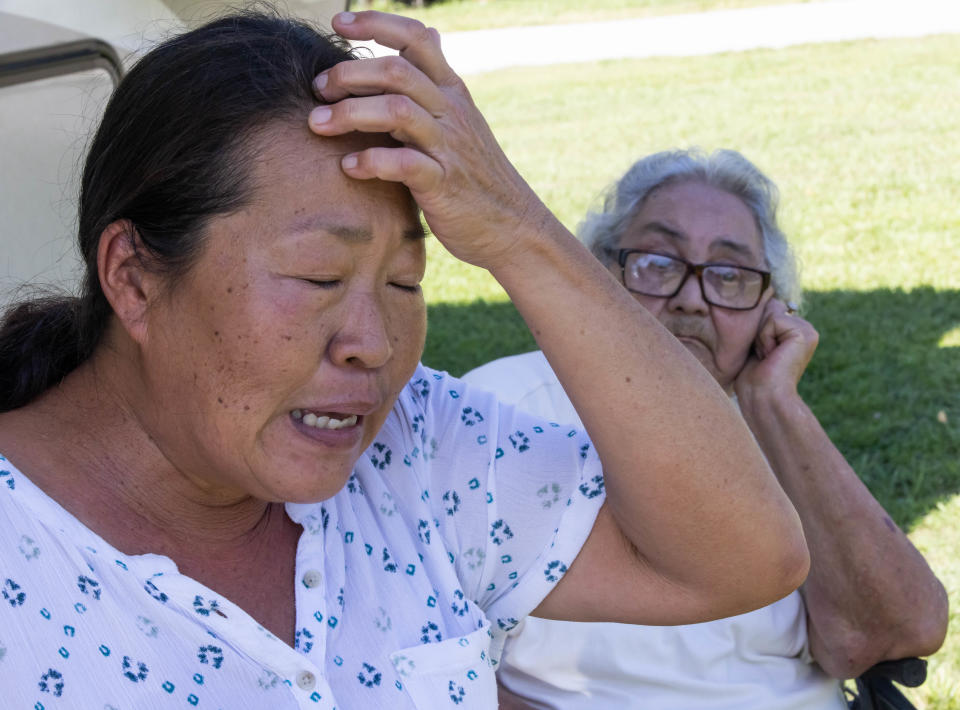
(409, 288)
(322, 283)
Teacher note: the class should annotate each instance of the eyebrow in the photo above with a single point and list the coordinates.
(674, 235)
(347, 232)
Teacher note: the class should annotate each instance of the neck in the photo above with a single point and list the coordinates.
(83, 443)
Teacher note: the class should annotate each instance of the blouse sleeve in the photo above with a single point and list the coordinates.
(515, 496)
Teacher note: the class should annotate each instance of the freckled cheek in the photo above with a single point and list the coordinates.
(288, 325)
(252, 361)
(408, 329)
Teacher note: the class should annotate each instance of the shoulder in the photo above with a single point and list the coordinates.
(528, 382)
(529, 370)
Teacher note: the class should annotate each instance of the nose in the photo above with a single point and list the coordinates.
(689, 298)
(362, 339)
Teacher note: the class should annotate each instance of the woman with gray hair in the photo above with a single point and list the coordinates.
(694, 238)
(725, 170)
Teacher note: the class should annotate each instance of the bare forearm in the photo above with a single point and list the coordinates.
(870, 595)
(685, 480)
(692, 493)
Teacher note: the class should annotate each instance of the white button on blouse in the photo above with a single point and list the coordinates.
(306, 680)
(312, 578)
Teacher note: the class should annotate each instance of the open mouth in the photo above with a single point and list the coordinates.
(324, 420)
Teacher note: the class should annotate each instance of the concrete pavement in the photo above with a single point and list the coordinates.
(698, 33)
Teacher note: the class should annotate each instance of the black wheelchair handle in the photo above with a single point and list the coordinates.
(908, 672)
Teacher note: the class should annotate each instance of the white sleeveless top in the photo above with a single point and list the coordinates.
(755, 661)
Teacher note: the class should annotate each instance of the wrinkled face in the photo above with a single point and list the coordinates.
(273, 364)
(700, 223)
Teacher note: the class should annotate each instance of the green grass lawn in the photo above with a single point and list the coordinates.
(457, 15)
(862, 139)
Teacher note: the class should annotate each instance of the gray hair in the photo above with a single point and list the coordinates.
(725, 170)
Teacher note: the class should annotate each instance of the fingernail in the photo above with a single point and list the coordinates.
(321, 114)
(346, 17)
(320, 83)
(349, 161)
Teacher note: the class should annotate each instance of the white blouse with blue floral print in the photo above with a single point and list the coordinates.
(455, 524)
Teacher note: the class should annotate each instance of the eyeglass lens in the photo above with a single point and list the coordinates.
(659, 275)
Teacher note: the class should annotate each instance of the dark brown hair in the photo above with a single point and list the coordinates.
(171, 151)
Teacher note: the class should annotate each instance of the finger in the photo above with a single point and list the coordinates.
(776, 307)
(788, 324)
(417, 43)
(806, 331)
(397, 115)
(766, 340)
(383, 75)
(417, 171)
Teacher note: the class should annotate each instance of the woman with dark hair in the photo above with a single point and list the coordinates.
(229, 483)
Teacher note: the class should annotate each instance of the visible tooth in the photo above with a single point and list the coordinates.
(324, 422)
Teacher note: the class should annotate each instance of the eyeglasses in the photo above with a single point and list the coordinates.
(648, 273)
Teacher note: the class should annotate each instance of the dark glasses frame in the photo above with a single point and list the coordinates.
(698, 269)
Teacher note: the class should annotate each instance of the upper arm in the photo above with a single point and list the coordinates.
(610, 581)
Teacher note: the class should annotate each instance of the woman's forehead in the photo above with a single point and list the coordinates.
(699, 217)
(285, 151)
(298, 185)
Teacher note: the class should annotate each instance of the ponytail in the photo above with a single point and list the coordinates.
(42, 341)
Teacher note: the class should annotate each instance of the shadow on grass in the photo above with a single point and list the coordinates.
(878, 382)
(462, 336)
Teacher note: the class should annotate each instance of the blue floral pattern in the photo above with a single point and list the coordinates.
(450, 529)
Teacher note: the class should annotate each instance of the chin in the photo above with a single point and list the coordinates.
(297, 481)
(306, 493)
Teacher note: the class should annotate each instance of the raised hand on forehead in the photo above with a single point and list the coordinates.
(471, 196)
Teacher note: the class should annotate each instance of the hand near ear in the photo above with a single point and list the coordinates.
(782, 350)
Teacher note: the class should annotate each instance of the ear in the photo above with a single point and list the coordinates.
(125, 282)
